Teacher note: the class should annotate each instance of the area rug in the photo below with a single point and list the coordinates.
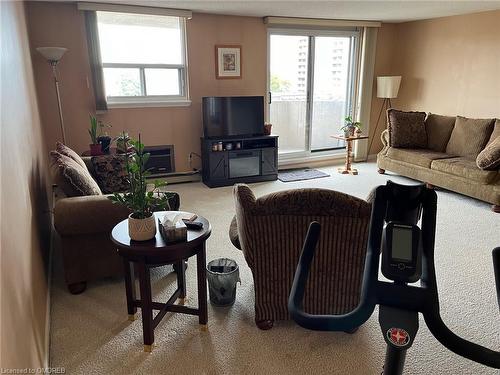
(90, 333)
(290, 175)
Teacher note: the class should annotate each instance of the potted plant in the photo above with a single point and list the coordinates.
(104, 139)
(123, 143)
(142, 203)
(350, 127)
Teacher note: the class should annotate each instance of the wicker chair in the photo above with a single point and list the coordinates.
(271, 230)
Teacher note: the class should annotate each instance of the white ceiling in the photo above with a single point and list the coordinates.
(386, 11)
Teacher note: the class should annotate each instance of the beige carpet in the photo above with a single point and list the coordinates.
(90, 333)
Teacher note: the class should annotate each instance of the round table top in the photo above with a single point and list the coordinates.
(157, 245)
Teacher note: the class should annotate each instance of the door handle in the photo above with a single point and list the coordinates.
(270, 97)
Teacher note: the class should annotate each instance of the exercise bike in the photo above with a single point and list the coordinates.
(407, 252)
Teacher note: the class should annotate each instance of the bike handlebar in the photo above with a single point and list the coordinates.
(375, 292)
(496, 268)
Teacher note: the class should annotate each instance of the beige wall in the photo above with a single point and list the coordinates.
(449, 65)
(24, 203)
(58, 24)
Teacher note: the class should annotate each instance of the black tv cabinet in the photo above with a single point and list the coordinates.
(255, 160)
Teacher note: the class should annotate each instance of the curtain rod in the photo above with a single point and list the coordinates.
(105, 7)
(292, 21)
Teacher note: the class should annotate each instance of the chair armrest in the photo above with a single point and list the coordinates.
(384, 137)
(87, 214)
(233, 233)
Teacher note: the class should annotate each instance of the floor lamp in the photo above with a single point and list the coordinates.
(53, 55)
(387, 89)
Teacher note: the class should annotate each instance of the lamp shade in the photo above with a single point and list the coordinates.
(388, 87)
(52, 53)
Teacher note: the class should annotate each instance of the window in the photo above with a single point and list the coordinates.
(143, 58)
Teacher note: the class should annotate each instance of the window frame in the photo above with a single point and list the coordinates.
(183, 99)
(352, 92)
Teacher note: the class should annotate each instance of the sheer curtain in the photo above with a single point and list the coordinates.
(95, 60)
(365, 88)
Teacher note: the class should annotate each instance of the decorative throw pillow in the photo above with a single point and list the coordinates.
(111, 172)
(496, 132)
(71, 177)
(489, 158)
(65, 150)
(469, 136)
(438, 129)
(406, 129)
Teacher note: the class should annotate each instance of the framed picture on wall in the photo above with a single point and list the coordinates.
(227, 61)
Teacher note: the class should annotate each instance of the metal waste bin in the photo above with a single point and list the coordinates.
(222, 275)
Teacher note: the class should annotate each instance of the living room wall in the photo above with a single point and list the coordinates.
(24, 203)
(449, 66)
(180, 126)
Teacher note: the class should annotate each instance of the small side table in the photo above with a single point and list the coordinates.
(348, 157)
(153, 253)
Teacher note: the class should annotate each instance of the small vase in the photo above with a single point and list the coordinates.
(141, 229)
(267, 128)
(357, 132)
(95, 150)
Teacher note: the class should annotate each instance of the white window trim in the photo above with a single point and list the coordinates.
(182, 100)
(146, 101)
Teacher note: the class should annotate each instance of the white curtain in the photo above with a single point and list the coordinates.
(365, 88)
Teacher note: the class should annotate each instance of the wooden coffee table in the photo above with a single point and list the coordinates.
(348, 158)
(144, 255)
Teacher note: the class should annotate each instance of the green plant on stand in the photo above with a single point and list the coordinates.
(350, 127)
(138, 199)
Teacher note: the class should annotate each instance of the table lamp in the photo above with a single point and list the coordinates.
(53, 55)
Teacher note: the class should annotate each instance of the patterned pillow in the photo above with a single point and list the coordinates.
(489, 158)
(111, 172)
(65, 150)
(469, 136)
(71, 177)
(406, 129)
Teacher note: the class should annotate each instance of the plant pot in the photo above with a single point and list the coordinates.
(95, 149)
(105, 142)
(141, 229)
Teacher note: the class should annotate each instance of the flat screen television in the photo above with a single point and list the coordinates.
(233, 116)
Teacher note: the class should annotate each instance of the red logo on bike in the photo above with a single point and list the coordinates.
(398, 336)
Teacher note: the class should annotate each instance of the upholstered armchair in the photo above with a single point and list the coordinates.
(271, 230)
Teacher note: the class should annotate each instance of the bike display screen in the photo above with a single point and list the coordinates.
(402, 243)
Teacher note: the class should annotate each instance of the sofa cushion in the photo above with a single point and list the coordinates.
(406, 129)
(438, 130)
(421, 157)
(464, 167)
(111, 173)
(65, 150)
(469, 136)
(73, 179)
(489, 158)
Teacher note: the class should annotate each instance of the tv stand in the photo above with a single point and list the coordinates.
(255, 160)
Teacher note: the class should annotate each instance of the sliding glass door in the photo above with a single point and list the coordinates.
(311, 88)
(288, 80)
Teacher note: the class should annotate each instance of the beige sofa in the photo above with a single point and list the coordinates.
(437, 165)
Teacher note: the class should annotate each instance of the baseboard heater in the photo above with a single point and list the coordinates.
(177, 177)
